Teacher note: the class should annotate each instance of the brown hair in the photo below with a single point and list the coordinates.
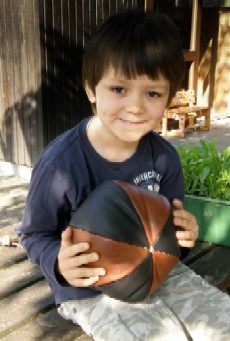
(135, 43)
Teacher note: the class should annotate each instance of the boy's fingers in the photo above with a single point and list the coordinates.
(88, 272)
(187, 227)
(186, 235)
(84, 282)
(185, 220)
(66, 238)
(76, 257)
(186, 243)
(86, 276)
(70, 251)
(178, 204)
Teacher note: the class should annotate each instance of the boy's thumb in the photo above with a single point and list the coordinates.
(66, 237)
(178, 204)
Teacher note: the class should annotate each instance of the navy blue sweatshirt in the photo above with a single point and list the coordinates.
(65, 173)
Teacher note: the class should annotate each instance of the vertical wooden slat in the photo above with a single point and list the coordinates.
(141, 5)
(220, 84)
(15, 82)
(6, 119)
(93, 14)
(32, 82)
(17, 40)
(58, 70)
(83, 33)
(38, 143)
(18, 80)
(27, 76)
(104, 9)
(112, 6)
(148, 6)
(12, 80)
(75, 39)
(66, 62)
(49, 72)
(44, 78)
(99, 14)
(85, 21)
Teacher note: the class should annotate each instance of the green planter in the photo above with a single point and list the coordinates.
(213, 217)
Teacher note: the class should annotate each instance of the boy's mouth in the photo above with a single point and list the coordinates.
(131, 122)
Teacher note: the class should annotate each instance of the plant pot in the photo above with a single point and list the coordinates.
(213, 217)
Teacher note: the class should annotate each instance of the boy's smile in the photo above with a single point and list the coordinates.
(126, 109)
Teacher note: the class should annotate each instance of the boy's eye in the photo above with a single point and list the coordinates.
(118, 89)
(153, 94)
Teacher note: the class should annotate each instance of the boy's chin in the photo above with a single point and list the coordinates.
(135, 136)
(131, 138)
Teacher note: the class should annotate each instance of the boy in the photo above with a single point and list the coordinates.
(132, 68)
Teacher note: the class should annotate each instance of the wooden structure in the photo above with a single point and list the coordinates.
(192, 15)
(193, 54)
(184, 111)
(41, 47)
(212, 262)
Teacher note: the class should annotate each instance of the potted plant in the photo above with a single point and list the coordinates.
(207, 187)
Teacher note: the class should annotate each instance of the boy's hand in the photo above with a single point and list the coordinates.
(188, 228)
(71, 260)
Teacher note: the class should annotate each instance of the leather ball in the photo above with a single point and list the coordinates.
(132, 230)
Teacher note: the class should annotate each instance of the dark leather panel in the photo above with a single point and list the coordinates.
(138, 284)
(167, 242)
(109, 211)
(152, 208)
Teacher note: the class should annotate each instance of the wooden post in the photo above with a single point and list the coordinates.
(195, 43)
(149, 5)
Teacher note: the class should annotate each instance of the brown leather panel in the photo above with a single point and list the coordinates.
(117, 258)
(163, 263)
(153, 209)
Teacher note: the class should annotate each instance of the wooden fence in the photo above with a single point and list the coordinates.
(41, 45)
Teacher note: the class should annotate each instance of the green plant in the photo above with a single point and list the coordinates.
(206, 170)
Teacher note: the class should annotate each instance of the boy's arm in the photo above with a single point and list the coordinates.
(42, 249)
(187, 232)
(46, 215)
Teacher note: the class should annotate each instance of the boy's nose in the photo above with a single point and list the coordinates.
(134, 105)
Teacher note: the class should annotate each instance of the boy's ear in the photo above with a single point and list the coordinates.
(89, 92)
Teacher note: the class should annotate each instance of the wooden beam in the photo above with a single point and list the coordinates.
(195, 43)
(189, 56)
(149, 5)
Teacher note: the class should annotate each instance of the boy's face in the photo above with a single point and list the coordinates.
(129, 108)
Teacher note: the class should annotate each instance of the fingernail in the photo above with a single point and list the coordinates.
(95, 256)
(102, 272)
